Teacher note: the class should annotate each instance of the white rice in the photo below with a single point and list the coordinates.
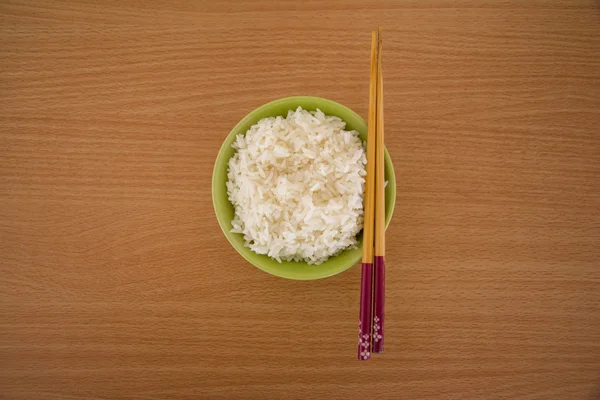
(296, 184)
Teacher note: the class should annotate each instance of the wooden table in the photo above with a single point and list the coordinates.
(116, 282)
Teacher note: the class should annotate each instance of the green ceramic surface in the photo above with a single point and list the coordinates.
(224, 209)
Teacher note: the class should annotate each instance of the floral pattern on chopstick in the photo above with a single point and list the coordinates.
(363, 342)
(376, 327)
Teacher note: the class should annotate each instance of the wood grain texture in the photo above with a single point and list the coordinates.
(116, 283)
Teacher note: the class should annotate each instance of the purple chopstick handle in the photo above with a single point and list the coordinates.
(378, 304)
(364, 322)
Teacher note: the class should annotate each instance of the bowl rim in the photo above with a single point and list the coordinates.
(217, 206)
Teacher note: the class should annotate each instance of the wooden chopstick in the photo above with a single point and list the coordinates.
(366, 285)
(379, 261)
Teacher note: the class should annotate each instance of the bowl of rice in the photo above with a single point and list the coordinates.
(288, 187)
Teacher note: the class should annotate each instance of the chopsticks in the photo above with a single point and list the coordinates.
(372, 288)
(366, 282)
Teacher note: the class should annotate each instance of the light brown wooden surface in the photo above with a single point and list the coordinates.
(116, 282)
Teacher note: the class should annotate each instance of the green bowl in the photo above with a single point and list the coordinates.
(224, 209)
